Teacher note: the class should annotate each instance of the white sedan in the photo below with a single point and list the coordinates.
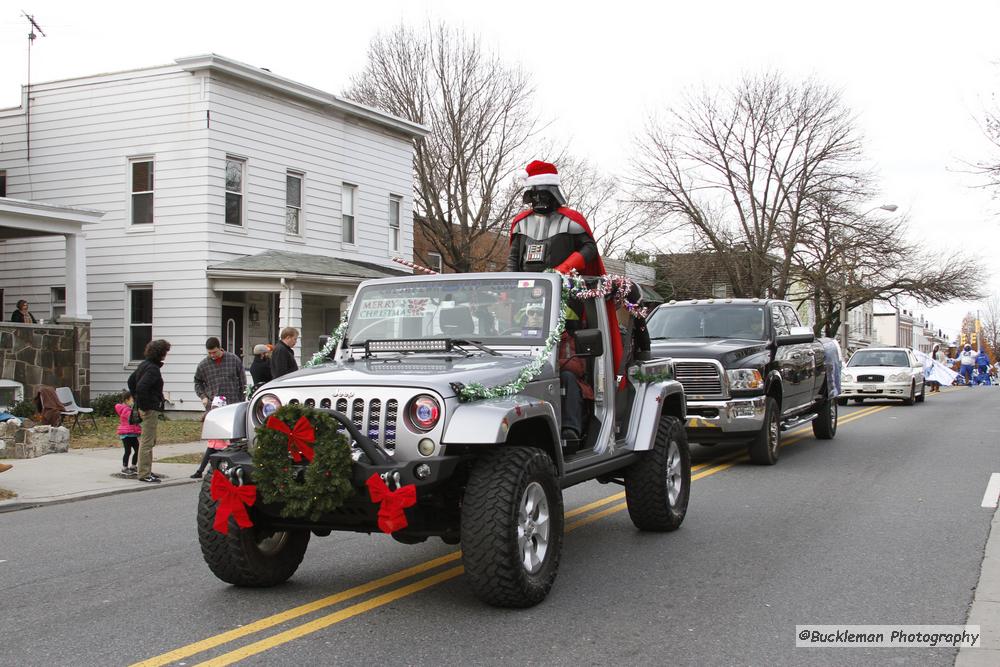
(883, 372)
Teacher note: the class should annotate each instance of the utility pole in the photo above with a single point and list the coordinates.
(27, 101)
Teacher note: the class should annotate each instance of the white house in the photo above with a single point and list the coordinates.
(235, 201)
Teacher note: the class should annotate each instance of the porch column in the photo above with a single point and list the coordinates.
(76, 277)
(290, 314)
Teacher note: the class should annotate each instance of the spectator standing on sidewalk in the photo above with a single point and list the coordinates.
(146, 385)
(260, 368)
(283, 356)
(129, 434)
(219, 374)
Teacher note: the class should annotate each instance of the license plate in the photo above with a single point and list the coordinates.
(536, 252)
(869, 387)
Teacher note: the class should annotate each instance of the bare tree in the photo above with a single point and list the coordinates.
(990, 323)
(480, 117)
(738, 170)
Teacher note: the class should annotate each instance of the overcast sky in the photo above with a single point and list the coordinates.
(916, 74)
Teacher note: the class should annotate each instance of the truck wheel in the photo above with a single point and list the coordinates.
(255, 556)
(912, 397)
(922, 396)
(512, 527)
(657, 486)
(765, 447)
(825, 424)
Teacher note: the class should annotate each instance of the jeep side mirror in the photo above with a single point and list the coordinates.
(589, 343)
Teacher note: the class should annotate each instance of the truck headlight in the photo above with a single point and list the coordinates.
(742, 379)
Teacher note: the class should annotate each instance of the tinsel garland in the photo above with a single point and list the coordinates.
(331, 345)
(618, 287)
(643, 378)
(303, 490)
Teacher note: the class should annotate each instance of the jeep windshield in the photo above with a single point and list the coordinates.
(708, 321)
(488, 311)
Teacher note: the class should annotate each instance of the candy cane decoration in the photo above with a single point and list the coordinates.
(402, 261)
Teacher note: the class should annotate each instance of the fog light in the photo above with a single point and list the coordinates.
(422, 471)
(425, 446)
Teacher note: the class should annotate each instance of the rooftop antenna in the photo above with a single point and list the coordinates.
(27, 103)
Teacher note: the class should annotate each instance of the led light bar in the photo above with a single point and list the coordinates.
(413, 345)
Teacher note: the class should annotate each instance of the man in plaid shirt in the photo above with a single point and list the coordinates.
(220, 374)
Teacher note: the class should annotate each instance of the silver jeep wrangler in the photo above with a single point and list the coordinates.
(489, 469)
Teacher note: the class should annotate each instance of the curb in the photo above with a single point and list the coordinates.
(30, 504)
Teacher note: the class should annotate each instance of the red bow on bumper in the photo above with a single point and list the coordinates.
(299, 437)
(233, 501)
(390, 513)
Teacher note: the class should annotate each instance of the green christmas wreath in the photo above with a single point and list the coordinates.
(324, 483)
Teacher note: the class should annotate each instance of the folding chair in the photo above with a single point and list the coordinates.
(65, 396)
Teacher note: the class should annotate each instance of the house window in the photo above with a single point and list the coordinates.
(3, 183)
(719, 290)
(434, 261)
(235, 169)
(140, 317)
(57, 296)
(293, 203)
(395, 206)
(142, 191)
(348, 194)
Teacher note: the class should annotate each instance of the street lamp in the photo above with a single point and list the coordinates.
(843, 297)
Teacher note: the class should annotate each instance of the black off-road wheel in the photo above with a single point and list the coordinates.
(255, 557)
(764, 449)
(825, 424)
(657, 487)
(512, 527)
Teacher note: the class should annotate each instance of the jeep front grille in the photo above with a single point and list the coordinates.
(699, 377)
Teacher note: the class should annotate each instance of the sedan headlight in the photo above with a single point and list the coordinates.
(265, 406)
(899, 377)
(846, 377)
(742, 379)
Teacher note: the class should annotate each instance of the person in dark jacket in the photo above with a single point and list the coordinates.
(283, 356)
(22, 315)
(146, 385)
(260, 369)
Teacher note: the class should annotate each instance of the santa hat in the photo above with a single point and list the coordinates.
(540, 173)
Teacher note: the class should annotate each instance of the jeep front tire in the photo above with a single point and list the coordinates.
(657, 486)
(512, 527)
(254, 557)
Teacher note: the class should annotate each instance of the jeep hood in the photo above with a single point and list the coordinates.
(432, 372)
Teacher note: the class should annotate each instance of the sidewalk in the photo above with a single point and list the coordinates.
(88, 473)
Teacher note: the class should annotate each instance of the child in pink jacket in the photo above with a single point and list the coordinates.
(213, 445)
(129, 435)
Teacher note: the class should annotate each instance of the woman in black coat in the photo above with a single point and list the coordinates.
(22, 315)
(146, 385)
(260, 368)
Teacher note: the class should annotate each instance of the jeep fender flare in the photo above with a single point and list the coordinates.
(653, 401)
(488, 422)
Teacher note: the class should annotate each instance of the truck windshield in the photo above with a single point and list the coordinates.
(896, 358)
(708, 321)
(492, 311)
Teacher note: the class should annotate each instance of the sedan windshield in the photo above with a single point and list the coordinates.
(492, 311)
(895, 358)
(708, 321)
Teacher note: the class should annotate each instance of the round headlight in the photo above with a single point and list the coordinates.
(423, 412)
(266, 406)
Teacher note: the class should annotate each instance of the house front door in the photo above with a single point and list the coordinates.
(232, 329)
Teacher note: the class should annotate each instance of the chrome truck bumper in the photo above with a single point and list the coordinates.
(722, 420)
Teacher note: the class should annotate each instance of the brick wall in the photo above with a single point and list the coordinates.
(52, 354)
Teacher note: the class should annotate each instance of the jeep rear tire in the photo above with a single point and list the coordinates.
(512, 527)
(765, 447)
(657, 486)
(256, 556)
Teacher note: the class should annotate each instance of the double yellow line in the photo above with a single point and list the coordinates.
(699, 471)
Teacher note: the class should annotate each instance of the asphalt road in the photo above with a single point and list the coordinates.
(882, 525)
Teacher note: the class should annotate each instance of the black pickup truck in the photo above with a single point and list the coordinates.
(750, 370)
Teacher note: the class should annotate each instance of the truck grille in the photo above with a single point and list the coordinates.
(871, 378)
(698, 377)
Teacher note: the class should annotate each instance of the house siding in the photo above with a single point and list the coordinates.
(83, 133)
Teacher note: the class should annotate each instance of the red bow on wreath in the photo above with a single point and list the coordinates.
(390, 512)
(233, 501)
(299, 437)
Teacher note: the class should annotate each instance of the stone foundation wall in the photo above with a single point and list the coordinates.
(52, 354)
